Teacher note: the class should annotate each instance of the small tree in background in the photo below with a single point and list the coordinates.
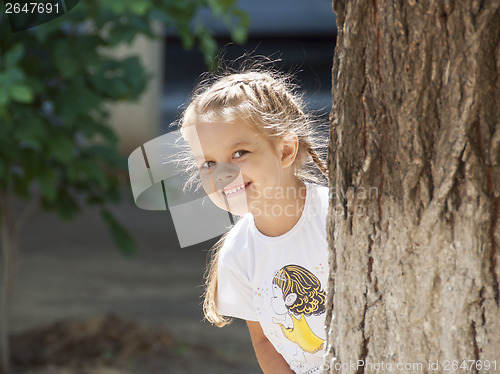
(56, 149)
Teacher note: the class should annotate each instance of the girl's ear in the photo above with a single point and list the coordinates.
(290, 299)
(289, 149)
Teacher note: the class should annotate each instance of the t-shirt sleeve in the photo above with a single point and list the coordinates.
(234, 292)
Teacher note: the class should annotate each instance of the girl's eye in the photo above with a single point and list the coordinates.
(239, 154)
(208, 164)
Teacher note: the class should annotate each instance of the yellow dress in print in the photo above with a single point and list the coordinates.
(302, 334)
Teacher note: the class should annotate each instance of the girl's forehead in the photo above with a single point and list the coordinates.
(225, 126)
(222, 134)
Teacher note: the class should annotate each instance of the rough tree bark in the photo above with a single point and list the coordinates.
(415, 164)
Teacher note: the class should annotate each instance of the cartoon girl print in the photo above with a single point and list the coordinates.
(297, 294)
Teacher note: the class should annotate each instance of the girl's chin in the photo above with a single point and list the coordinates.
(238, 208)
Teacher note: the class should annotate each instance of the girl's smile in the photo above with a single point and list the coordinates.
(235, 189)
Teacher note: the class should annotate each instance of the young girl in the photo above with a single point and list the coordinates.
(252, 142)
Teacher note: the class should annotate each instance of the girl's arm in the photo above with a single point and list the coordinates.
(270, 361)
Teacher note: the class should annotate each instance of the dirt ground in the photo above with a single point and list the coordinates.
(81, 307)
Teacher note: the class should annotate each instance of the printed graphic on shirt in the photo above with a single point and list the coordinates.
(298, 295)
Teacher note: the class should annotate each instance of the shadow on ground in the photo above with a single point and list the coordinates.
(82, 307)
(110, 344)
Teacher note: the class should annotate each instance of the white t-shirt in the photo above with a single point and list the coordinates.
(280, 282)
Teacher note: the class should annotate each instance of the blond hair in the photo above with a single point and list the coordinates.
(267, 100)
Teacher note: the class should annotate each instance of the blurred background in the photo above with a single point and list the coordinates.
(79, 303)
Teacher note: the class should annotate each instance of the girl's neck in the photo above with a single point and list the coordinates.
(280, 214)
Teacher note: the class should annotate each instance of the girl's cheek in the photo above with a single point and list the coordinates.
(243, 166)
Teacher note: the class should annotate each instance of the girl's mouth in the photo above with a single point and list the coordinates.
(235, 189)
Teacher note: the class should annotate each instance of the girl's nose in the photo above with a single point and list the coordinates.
(225, 173)
(219, 176)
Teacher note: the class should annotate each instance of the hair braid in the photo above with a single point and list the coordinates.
(320, 164)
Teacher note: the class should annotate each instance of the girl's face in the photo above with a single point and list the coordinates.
(277, 301)
(239, 166)
(280, 303)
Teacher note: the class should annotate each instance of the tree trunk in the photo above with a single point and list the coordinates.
(8, 239)
(414, 160)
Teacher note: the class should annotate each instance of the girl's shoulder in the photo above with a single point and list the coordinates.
(318, 188)
(319, 195)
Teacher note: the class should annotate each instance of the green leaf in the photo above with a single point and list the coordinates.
(77, 99)
(104, 153)
(139, 24)
(30, 130)
(21, 93)
(121, 236)
(90, 172)
(4, 97)
(14, 55)
(139, 7)
(161, 16)
(208, 46)
(31, 163)
(120, 34)
(66, 63)
(239, 34)
(65, 204)
(91, 129)
(13, 75)
(61, 148)
(48, 185)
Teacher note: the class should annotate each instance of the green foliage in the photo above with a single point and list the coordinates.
(55, 80)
